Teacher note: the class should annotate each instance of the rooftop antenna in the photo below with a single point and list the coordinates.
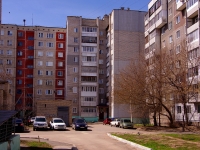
(24, 20)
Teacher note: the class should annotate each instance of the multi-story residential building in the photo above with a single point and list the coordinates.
(167, 25)
(33, 59)
(86, 53)
(125, 44)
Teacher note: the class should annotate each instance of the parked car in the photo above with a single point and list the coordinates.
(115, 122)
(125, 123)
(107, 121)
(19, 125)
(57, 123)
(32, 119)
(79, 124)
(40, 122)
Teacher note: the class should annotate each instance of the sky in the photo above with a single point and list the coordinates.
(53, 13)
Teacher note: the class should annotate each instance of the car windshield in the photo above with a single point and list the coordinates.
(18, 121)
(126, 120)
(40, 119)
(80, 121)
(58, 121)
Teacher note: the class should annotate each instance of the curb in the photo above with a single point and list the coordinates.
(128, 142)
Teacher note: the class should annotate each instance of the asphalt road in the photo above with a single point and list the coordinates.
(94, 139)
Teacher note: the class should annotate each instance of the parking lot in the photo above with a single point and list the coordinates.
(94, 138)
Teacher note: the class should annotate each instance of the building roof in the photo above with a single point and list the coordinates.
(5, 115)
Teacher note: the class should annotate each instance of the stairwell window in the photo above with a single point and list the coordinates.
(170, 39)
(170, 25)
(178, 34)
(177, 19)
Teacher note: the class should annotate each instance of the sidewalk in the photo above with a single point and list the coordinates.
(55, 145)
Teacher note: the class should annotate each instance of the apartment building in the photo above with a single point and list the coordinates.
(167, 24)
(32, 59)
(86, 53)
(125, 44)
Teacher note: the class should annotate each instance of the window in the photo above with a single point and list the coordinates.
(88, 49)
(10, 33)
(49, 82)
(101, 71)
(75, 40)
(20, 34)
(75, 49)
(101, 33)
(48, 92)
(89, 29)
(40, 63)
(9, 62)
(49, 73)
(9, 52)
(60, 64)
(193, 36)
(75, 59)
(178, 64)
(60, 54)
(19, 62)
(75, 100)
(75, 69)
(19, 53)
(178, 49)
(19, 72)
(75, 80)
(1, 52)
(193, 54)
(198, 108)
(75, 29)
(9, 71)
(101, 41)
(100, 61)
(40, 43)
(40, 53)
(60, 45)
(39, 82)
(178, 34)
(101, 91)
(49, 54)
(59, 92)
(19, 81)
(49, 63)
(170, 11)
(74, 110)
(170, 39)
(9, 42)
(49, 35)
(170, 25)
(2, 32)
(40, 35)
(60, 73)
(1, 42)
(30, 47)
(60, 36)
(1, 62)
(60, 82)
(100, 81)
(178, 109)
(100, 51)
(188, 108)
(49, 44)
(177, 19)
(39, 92)
(74, 89)
(40, 72)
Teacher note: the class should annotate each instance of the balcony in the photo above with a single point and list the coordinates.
(89, 63)
(193, 27)
(92, 34)
(88, 103)
(180, 4)
(88, 93)
(192, 10)
(88, 74)
(161, 22)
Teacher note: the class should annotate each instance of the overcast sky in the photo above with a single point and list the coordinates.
(53, 13)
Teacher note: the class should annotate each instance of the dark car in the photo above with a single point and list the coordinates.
(19, 125)
(79, 124)
(107, 121)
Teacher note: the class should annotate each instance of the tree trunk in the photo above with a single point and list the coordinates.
(154, 119)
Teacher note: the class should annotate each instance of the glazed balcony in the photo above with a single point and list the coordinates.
(192, 8)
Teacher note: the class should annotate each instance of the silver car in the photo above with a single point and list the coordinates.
(40, 122)
(57, 123)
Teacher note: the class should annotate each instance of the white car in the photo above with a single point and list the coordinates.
(57, 123)
(115, 122)
(40, 122)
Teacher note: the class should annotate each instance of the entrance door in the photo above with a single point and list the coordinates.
(63, 112)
